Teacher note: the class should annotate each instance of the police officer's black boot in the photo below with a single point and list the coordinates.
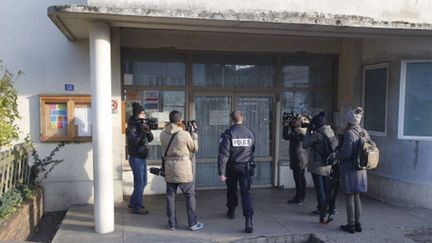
(231, 213)
(248, 225)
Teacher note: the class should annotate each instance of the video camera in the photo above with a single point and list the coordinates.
(150, 123)
(157, 171)
(191, 126)
(290, 118)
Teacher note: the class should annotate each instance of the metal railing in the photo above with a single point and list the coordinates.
(14, 167)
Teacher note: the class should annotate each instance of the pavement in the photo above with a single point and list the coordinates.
(274, 221)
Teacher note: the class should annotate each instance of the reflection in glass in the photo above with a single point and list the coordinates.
(233, 71)
(300, 72)
(157, 104)
(418, 99)
(212, 117)
(155, 70)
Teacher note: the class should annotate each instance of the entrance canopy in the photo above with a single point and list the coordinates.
(73, 21)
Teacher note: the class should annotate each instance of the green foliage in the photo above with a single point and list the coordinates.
(8, 107)
(13, 199)
(45, 165)
(9, 202)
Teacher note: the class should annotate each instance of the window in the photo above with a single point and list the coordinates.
(306, 103)
(375, 78)
(300, 72)
(415, 101)
(233, 71)
(154, 69)
(65, 118)
(157, 104)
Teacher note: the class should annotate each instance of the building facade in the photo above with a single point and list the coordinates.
(206, 59)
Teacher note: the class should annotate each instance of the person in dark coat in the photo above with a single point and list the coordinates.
(314, 140)
(353, 181)
(138, 136)
(294, 133)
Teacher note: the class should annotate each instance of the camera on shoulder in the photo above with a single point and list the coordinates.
(150, 123)
(191, 126)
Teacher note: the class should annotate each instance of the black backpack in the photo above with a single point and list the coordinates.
(330, 144)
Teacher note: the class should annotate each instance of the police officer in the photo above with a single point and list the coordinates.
(235, 164)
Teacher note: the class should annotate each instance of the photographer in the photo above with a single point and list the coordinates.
(179, 146)
(294, 131)
(318, 138)
(138, 136)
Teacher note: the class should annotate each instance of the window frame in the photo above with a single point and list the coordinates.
(402, 94)
(366, 68)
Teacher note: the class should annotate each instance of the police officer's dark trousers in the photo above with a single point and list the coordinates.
(238, 173)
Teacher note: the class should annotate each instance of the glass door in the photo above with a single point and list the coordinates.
(258, 113)
(212, 116)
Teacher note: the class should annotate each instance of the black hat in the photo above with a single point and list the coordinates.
(136, 109)
(319, 120)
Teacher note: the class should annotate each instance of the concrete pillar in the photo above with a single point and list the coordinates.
(100, 70)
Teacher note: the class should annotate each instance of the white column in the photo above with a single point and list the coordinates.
(100, 69)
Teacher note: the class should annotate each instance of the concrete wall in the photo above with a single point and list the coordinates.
(404, 174)
(398, 10)
(32, 43)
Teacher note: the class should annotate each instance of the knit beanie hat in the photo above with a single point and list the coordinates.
(354, 117)
(319, 120)
(136, 109)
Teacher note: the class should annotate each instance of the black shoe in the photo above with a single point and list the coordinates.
(316, 213)
(348, 228)
(295, 201)
(248, 225)
(231, 213)
(358, 227)
(139, 211)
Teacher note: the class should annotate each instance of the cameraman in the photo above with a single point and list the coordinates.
(138, 136)
(314, 139)
(178, 168)
(294, 132)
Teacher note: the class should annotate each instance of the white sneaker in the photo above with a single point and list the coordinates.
(197, 226)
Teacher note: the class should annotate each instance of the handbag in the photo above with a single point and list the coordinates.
(166, 151)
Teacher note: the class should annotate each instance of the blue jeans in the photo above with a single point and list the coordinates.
(320, 183)
(139, 170)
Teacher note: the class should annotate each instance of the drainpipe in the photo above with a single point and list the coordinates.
(276, 181)
(100, 70)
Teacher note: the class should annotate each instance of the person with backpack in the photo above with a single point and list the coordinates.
(321, 142)
(294, 132)
(353, 179)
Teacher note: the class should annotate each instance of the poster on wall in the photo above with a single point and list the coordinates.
(151, 100)
(58, 115)
(217, 117)
(83, 121)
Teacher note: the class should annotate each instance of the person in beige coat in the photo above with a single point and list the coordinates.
(178, 169)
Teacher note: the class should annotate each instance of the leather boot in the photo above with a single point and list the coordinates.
(348, 228)
(231, 213)
(358, 227)
(248, 225)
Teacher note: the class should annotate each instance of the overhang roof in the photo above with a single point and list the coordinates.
(73, 20)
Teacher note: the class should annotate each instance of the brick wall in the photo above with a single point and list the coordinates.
(21, 224)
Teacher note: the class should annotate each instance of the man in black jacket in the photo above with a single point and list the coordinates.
(235, 162)
(138, 136)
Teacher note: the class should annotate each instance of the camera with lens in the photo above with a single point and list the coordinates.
(157, 171)
(149, 123)
(291, 118)
(191, 126)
